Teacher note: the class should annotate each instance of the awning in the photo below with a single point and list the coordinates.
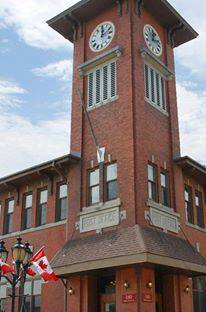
(126, 246)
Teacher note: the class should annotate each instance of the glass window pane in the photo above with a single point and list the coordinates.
(63, 208)
(95, 195)
(37, 287)
(43, 214)
(28, 201)
(10, 223)
(94, 177)
(112, 190)
(197, 203)
(27, 288)
(163, 180)
(43, 196)
(28, 216)
(63, 191)
(37, 303)
(112, 172)
(2, 305)
(11, 206)
(186, 195)
(3, 291)
(151, 175)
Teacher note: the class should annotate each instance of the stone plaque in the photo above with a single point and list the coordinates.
(164, 220)
(99, 220)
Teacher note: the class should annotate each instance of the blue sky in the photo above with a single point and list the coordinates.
(35, 84)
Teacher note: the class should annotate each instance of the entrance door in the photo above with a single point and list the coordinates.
(108, 303)
(159, 307)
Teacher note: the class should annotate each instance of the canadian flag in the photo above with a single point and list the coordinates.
(42, 266)
(5, 268)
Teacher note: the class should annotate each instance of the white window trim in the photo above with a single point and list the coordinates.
(164, 111)
(111, 98)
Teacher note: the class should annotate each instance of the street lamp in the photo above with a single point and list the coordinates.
(21, 254)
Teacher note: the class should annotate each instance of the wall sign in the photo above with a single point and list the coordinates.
(99, 220)
(129, 298)
(147, 297)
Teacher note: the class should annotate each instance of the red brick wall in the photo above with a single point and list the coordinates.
(131, 129)
(52, 238)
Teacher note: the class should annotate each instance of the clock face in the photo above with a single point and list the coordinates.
(152, 40)
(102, 36)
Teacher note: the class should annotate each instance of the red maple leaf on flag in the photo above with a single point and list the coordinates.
(42, 265)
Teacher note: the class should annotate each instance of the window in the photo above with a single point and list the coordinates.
(165, 194)
(199, 294)
(62, 202)
(42, 207)
(189, 204)
(199, 209)
(111, 182)
(3, 298)
(94, 187)
(27, 212)
(152, 182)
(102, 84)
(32, 296)
(155, 87)
(9, 216)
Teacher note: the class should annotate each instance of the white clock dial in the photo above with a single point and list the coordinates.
(102, 36)
(152, 40)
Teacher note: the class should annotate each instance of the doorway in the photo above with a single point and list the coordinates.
(107, 294)
(159, 304)
(159, 292)
(108, 303)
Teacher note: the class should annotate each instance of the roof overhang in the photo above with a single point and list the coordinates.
(87, 9)
(192, 168)
(190, 269)
(128, 246)
(48, 168)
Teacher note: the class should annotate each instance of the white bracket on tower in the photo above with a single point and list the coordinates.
(101, 154)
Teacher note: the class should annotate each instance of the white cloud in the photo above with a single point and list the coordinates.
(9, 92)
(8, 87)
(192, 116)
(28, 18)
(61, 70)
(27, 144)
(24, 143)
(192, 54)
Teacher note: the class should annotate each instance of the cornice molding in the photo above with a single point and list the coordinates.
(99, 59)
(156, 63)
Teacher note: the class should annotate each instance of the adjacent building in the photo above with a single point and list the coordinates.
(123, 216)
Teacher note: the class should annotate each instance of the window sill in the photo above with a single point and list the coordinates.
(162, 217)
(35, 229)
(102, 103)
(101, 206)
(196, 227)
(157, 107)
(162, 208)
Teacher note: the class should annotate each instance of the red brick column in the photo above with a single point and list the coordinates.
(146, 295)
(171, 293)
(186, 298)
(130, 276)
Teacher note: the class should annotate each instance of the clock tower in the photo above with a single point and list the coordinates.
(125, 200)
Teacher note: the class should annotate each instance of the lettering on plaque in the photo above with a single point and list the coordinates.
(99, 220)
(164, 220)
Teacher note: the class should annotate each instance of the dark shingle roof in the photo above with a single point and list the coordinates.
(123, 242)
